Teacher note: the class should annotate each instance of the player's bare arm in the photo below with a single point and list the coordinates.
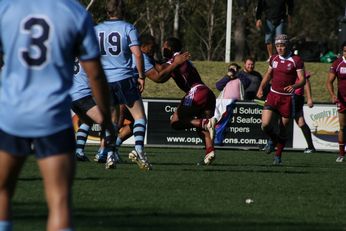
(161, 73)
(330, 80)
(136, 51)
(266, 78)
(307, 88)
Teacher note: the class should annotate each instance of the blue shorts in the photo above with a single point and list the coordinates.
(272, 30)
(124, 92)
(58, 143)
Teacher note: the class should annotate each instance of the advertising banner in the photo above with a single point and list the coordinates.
(243, 130)
(324, 124)
(159, 128)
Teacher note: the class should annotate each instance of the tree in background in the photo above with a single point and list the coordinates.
(201, 25)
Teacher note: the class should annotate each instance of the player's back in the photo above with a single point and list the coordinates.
(81, 87)
(39, 40)
(115, 39)
(186, 75)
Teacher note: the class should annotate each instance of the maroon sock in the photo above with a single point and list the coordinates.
(341, 149)
(210, 149)
(279, 148)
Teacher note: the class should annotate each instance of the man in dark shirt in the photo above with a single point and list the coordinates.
(278, 13)
(253, 76)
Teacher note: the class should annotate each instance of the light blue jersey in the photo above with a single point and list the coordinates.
(115, 39)
(148, 64)
(81, 87)
(39, 50)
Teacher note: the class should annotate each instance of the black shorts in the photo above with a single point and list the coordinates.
(299, 103)
(81, 106)
(125, 92)
(57, 143)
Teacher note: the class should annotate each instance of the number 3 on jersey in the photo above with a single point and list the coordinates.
(38, 30)
(110, 44)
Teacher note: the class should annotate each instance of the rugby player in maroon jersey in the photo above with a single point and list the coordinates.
(283, 71)
(338, 71)
(197, 107)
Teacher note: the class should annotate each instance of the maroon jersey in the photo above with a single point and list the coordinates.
(185, 76)
(339, 69)
(284, 71)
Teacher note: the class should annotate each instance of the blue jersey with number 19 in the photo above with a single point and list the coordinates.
(39, 50)
(115, 39)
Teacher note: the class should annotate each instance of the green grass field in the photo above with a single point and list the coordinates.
(306, 193)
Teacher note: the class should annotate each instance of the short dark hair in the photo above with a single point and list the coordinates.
(343, 45)
(147, 39)
(250, 58)
(115, 8)
(174, 44)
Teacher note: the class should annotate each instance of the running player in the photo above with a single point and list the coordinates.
(197, 107)
(283, 71)
(39, 44)
(299, 100)
(338, 71)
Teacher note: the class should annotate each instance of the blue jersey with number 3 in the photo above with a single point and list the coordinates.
(39, 40)
(115, 39)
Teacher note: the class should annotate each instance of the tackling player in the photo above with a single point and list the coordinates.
(148, 45)
(197, 107)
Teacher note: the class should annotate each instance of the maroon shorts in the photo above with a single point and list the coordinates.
(341, 105)
(282, 104)
(198, 100)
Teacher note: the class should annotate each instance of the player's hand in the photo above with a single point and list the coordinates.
(310, 103)
(334, 99)
(181, 58)
(141, 83)
(259, 24)
(259, 94)
(289, 89)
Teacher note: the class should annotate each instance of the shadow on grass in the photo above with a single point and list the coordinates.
(34, 215)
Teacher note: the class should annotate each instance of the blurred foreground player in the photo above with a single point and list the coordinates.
(39, 40)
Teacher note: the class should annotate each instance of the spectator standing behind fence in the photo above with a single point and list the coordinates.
(338, 71)
(278, 15)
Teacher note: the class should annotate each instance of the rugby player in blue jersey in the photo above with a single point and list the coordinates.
(148, 45)
(88, 112)
(118, 41)
(39, 41)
